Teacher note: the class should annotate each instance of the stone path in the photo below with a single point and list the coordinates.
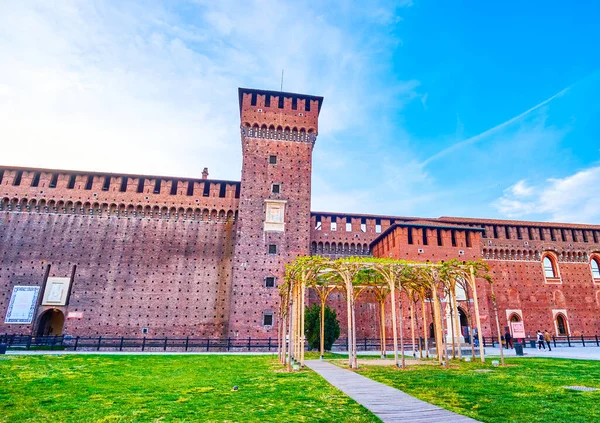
(387, 403)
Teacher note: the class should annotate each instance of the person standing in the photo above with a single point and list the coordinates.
(475, 337)
(508, 339)
(548, 338)
(540, 339)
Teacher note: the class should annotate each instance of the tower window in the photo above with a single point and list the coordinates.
(378, 226)
(106, 185)
(89, 182)
(574, 235)
(206, 191)
(453, 236)
(563, 235)
(268, 318)
(190, 188)
(530, 230)
(348, 225)
(140, 187)
(595, 235)
(507, 232)
(424, 236)
(495, 231)
(585, 237)
(549, 267)
(222, 190)
(519, 234)
(36, 179)
(410, 235)
(552, 234)
(541, 234)
(275, 188)
(363, 225)
(333, 224)
(270, 282)
(439, 237)
(1, 175)
(318, 223)
(595, 263)
(468, 238)
(272, 249)
(272, 159)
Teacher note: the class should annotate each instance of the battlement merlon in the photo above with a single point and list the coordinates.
(279, 111)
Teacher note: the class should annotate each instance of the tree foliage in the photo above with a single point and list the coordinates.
(312, 326)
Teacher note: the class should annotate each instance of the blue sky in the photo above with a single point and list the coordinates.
(431, 108)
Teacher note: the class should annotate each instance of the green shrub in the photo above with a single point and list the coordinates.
(312, 327)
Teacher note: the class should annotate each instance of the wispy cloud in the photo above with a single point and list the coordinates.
(573, 198)
(461, 144)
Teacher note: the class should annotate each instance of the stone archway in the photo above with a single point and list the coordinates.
(464, 325)
(51, 323)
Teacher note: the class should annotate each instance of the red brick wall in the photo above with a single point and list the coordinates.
(170, 276)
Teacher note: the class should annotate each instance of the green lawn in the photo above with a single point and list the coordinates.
(152, 388)
(526, 390)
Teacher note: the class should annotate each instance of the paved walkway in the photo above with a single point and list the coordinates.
(387, 403)
(579, 352)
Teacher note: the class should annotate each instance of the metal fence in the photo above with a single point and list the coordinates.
(106, 343)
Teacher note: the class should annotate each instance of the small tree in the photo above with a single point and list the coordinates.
(312, 326)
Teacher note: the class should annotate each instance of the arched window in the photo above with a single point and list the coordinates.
(561, 325)
(515, 318)
(595, 268)
(549, 267)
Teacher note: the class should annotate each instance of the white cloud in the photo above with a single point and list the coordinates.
(115, 86)
(570, 199)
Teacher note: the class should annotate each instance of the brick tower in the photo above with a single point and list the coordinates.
(278, 134)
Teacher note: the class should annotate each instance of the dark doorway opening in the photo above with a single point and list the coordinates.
(464, 325)
(51, 323)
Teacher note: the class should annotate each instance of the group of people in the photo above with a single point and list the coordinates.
(543, 339)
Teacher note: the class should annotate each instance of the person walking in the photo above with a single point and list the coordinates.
(475, 337)
(548, 338)
(540, 339)
(508, 340)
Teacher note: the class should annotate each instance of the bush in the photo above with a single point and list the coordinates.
(312, 327)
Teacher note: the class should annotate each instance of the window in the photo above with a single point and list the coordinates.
(270, 282)
(363, 225)
(140, 187)
(222, 190)
(333, 224)
(190, 188)
(561, 325)
(530, 230)
(495, 231)
(453, 237)
(272, 249)
(574, 235)
(318, 223)
(275, 188)
(206, 191)
(584, 234)
(106, 185)
(348, 225)
(552, 234)
(410, 235)
(273, 159)
(144, 331)
(549, 267)
(173, 188)
(424, 236)
(507, 232)
(519, 233)
(268, 318)
(378, 226)
(439, 237)
(157, 186)
(468, 239)
(541, 234)
(595, 268)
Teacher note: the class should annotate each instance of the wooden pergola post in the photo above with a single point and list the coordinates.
(394, 323)
(425, 333)
(412, 324)
(456, 319)
(477, 318)
(438, 323)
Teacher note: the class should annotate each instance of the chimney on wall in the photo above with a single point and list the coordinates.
(205, 173)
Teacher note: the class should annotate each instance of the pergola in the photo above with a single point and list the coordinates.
(418, 282)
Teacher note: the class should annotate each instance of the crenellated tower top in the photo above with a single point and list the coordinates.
(279, 115)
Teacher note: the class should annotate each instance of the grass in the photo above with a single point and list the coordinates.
(173, 388)
(526, 390)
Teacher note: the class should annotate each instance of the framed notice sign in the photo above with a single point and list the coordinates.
(22, 305)
(518, 329)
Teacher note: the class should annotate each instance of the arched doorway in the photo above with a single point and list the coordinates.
(51, 323)
(561, 325)
(464, 325)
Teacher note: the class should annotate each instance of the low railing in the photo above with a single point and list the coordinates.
(106, 343)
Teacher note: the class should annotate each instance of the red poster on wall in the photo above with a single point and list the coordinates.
(518, 329)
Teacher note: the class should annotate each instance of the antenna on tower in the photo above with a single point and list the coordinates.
(281, 79)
